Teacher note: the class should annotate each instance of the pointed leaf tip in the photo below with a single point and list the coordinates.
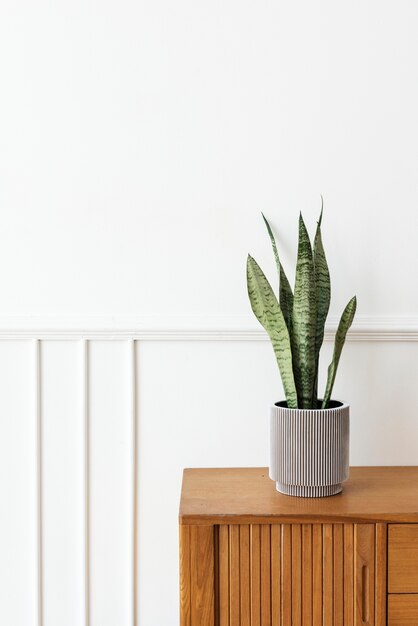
(322, 210)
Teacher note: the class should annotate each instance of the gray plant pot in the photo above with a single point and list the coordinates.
(309, 449)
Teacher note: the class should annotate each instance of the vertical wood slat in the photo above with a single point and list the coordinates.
(223, 587)
(327, 574)
(275, 575)
(338, 575)
(265, 575)
(364, 572)
(296, 575)
(286, 575)
(255, 575)
(317, 574)
(244, 574)
(348, 575)
(202, 583)
(307, 575)
(234, 590)
(381, 569)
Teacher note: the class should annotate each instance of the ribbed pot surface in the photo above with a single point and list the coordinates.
(309, 450)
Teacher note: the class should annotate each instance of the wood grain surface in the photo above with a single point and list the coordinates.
(380, 494)
(284, 575)
(364, 574)
(403, 610)
(381, 574)
(403, 558)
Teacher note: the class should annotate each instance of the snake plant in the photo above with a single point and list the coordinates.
(295, 322)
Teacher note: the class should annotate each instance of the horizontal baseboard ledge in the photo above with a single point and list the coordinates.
(189, 328)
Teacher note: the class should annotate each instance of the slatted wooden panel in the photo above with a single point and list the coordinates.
(300, 575)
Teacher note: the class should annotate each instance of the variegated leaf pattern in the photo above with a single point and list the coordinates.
(285, 290)
(304, 321)
(345, 323)
(323, 297)
(268, 312)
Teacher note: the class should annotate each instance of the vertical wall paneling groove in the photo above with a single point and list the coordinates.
(86, 420)
(132, 353)
(39, 521)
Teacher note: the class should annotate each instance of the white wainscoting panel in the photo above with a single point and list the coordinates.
(94, 435)
(110, 475)
(63, 503)
(18, 485)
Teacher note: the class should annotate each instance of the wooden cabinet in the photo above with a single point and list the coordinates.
(250, 556)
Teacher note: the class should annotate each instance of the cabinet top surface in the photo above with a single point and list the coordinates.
(247, 495)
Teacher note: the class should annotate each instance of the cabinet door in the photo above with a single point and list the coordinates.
(403, 574)
(302, 575)
(403, 558)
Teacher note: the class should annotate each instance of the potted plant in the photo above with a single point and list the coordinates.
(309, 437)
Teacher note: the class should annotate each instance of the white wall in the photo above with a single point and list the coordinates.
(138, 143)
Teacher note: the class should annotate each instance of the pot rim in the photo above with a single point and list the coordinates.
(341, 405)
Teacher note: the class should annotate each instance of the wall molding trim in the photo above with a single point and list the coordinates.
(189, 328)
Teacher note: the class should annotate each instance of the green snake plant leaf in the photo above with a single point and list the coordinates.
(285, 290)
(345, 323)
(268, 312)
(323, 297)
(304, 321)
